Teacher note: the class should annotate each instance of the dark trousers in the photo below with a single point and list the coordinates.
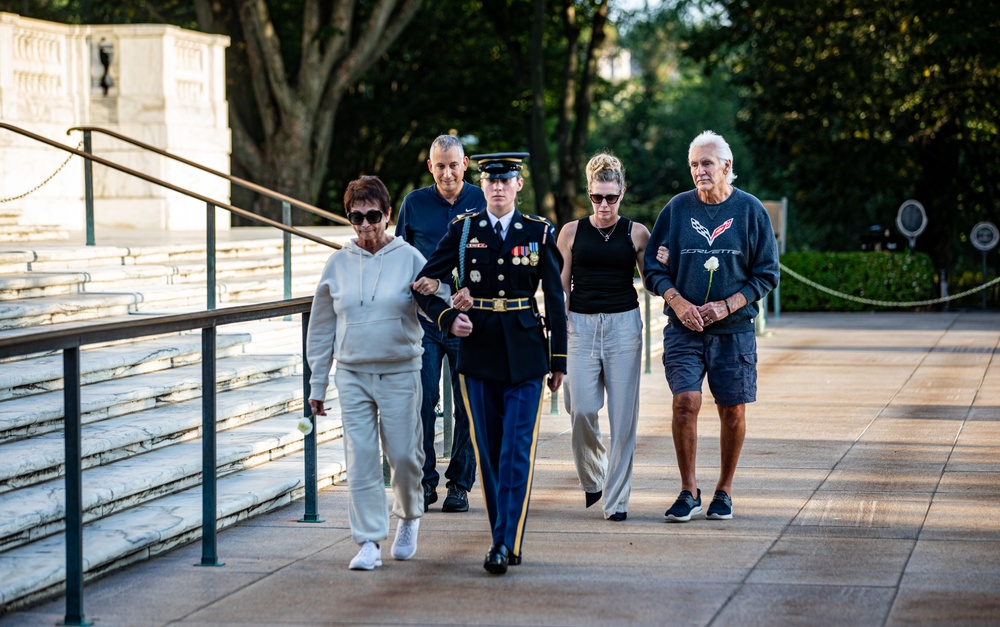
(462, 467)
(505, 419)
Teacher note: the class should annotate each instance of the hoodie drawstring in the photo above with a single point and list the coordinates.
(361, 276)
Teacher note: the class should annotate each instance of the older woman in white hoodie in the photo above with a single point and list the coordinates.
(364, 317)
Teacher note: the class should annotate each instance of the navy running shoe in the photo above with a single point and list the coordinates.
(684, 507)
(721, 507)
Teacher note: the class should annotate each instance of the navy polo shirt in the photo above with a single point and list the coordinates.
(424, 215)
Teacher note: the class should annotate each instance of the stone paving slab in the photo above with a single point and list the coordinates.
(866, 495)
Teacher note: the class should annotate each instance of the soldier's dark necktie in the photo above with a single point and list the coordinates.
(499, 231)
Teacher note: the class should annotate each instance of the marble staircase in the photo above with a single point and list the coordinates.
(141, 402)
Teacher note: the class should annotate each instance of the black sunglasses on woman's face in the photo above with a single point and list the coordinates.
(611, 198)
(374, 216)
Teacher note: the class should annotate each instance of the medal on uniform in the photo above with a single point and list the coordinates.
(533, 257)
(516, 260)
(475, 276)
(516, 255)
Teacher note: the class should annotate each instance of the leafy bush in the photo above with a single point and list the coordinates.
(894, 277)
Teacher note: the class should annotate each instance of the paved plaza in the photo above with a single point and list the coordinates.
(867, 494)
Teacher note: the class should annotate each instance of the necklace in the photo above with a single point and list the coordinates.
(606, 236)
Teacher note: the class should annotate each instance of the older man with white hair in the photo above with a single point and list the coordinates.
(723, 259)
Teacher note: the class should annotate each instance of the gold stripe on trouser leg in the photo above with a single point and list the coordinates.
(472, 436)
(531, 473)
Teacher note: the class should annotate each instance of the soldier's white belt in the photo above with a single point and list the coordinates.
(501, 304)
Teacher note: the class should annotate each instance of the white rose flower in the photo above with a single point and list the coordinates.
(711, 265)
(305, 425)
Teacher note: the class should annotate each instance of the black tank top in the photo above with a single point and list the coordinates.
(603, 270)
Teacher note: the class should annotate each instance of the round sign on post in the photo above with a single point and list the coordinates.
(985, 236)
(911, 220)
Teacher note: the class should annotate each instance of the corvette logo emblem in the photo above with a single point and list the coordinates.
(719, 230)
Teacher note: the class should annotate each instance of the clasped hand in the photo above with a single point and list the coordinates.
(696, 317)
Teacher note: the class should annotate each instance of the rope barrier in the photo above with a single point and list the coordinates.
(43, 183)
(885, 303)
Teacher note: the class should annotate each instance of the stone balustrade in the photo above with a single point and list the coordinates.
(160, 84)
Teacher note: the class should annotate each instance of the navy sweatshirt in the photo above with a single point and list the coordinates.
(424, 215)
(737, 232)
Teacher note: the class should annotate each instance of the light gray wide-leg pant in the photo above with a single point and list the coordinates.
(385, 407)
(605, 353)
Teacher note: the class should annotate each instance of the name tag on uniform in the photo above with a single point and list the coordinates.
(476, 245)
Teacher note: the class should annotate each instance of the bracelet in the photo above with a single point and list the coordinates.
(673, 296)
(729, 311)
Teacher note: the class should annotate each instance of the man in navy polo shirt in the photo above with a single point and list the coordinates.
(423, 220)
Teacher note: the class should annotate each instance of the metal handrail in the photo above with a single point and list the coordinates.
(70, 341)
(151, 179)
(232, 179)
(287, 228)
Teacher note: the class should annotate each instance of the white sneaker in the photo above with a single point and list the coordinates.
(369, 557)
(405, 545)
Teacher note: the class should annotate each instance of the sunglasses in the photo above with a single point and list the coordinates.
(373, 216)
(611, 198)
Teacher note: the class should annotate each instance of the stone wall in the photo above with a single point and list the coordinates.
(166, 88)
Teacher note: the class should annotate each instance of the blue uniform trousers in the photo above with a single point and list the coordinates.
(462, 466)
(504, 420)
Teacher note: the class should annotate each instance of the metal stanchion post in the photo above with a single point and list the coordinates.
(209, 496)
(311, 470)
(74, 489)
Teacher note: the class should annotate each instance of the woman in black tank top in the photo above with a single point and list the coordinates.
(600, 255)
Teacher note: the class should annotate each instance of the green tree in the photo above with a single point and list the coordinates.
(290, 65)
(441, 76)
(650, 119)
(852, 106)
(554, 58)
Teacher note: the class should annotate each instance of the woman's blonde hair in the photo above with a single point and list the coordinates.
(607, 168)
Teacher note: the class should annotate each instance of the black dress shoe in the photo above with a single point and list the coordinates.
(496, 559)
(430, 496)
(513, 560)
(593, 497)
(618, 516)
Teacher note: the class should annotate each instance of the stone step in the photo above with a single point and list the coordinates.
(33, 416)
(48, 310)
(34, 512)
(9, 215)
(40, 458)
(49, 257)
(102, 363)
(20, 285)
(31, 232)
(38, 569)
(53, 257)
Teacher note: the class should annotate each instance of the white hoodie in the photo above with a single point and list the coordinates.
(364, 315)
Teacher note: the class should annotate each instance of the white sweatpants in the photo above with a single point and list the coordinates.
(387, 406)
(605, 353)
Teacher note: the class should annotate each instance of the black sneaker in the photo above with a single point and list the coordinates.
(430, 496)
(457, 500)
(721, 507)
(684, 507)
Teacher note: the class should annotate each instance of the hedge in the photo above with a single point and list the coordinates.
(895, 277)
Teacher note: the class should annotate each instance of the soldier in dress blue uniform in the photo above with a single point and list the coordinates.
(507, 348)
